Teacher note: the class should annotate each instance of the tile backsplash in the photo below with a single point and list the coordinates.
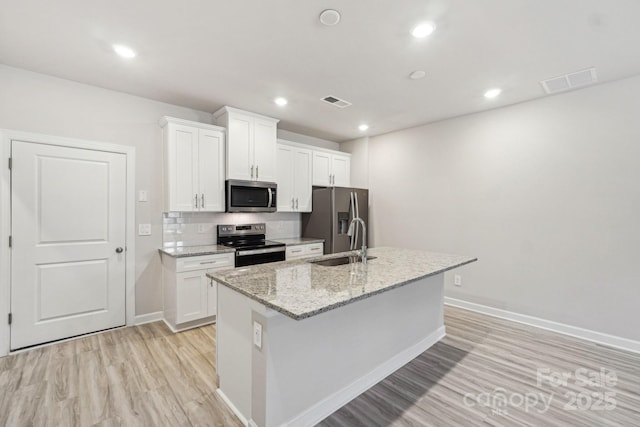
(201, 228)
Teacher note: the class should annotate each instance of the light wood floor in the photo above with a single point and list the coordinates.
(148, 376)
(483, 354)
(138, 376)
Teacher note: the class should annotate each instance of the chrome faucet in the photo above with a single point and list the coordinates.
(363, 251)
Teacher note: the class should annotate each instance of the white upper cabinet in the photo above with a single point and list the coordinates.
(251, 144)
(294, 164)
(331, 168)
(341, 168)
(193, 166)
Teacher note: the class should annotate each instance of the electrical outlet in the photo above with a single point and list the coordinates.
(457, 280)
(257, 335)
(143, 196)
(202, 228)
(144, 229)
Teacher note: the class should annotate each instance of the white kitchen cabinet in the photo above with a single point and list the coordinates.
(190, 297)
(304, 251)
(251, 144)
(294, 175)
(331, 168)
(193, 166)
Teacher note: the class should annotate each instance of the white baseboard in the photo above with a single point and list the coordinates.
(190, 325)
(233, 408)
(326, 407)
(148, 318)
(574, 331)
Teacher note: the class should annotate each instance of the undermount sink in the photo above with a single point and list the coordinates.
(332, 262)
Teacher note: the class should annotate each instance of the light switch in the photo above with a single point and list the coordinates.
(257, 334)
(144, 229)
(143, 196)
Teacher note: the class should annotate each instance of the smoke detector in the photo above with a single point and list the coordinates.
(336, 102)
(330, 17)
(570, 81)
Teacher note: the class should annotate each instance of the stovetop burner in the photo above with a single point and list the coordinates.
(246, 236)
(250, 244)
(247, 244)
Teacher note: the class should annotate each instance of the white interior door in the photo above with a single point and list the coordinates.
(68, 212)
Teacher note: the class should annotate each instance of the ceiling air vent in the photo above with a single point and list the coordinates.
(336, 102)
(570, 81)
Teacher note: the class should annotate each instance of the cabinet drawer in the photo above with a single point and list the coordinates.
(315, 249)
(293, 252)
(205, 262)
(304, 251)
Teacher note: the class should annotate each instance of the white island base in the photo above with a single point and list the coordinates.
(309, 368)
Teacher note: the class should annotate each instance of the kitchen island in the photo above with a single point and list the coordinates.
(298, 340)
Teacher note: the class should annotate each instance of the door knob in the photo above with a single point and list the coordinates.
(119, 250)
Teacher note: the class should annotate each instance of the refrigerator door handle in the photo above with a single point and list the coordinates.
(357, 214)
(351, 216)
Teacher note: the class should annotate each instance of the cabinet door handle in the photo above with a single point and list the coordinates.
(315, 249)
(196, 201)
(208, 262)
(296, 203)
(251, 171)
(202, 201)
(296, 251)
(256, 171)
(292, 205)
(211, 283)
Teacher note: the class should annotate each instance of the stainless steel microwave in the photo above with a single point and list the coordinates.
(250, 196)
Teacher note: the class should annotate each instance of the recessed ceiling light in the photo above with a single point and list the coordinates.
(492, 93)
(417, 75)
(124, 51)
(281, 101)
(423, 30)
(330, 17)
(363, 127)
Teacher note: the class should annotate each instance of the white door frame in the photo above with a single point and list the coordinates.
(5, 219)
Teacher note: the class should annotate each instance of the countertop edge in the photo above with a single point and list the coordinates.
(187, 255)
(289, 241)
(338, 304)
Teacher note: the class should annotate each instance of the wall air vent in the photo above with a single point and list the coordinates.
(336, 102)
(570, 81)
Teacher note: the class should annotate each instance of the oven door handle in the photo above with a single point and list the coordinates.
(270, 197)
(260, 251)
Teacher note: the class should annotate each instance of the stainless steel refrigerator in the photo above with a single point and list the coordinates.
(333, 210)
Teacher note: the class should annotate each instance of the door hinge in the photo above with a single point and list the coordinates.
(10, 318)
(10, 241)
(10, 163)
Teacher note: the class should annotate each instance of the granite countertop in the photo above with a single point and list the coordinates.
(300, 289)
(185, 251)
(294, 241)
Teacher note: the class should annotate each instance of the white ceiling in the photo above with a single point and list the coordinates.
(205, 54)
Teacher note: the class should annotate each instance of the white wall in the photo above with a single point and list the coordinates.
(359, 149)
(545, 193)
(309, 140)
(37, 103)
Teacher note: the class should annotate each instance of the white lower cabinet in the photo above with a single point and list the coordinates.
(304, 251)
(190, 297)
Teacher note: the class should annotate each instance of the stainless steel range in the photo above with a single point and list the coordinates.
(250, 243)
